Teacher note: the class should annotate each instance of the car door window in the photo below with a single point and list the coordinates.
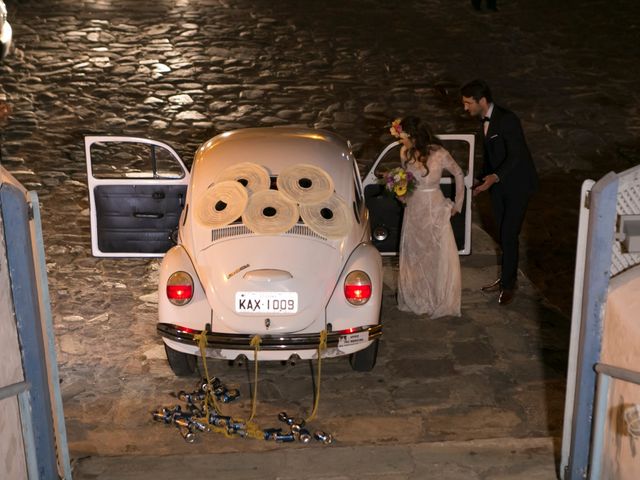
(358, 193)
(133, 160)
(390, 160)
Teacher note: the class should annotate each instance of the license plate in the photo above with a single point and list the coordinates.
(266, 302)
(353, 339)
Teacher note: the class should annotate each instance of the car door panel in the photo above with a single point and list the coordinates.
(137, 218)
(134, 210)
(458, 222)
(385, 216)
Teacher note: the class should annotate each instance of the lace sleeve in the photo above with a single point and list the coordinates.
(449, 164)
(403, 156)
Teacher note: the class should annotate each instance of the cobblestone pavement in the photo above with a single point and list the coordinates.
(182, 71)
(488, 384)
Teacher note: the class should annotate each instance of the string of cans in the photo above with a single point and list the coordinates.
(192, 419)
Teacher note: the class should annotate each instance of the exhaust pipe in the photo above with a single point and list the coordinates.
(240, 360)
(293, 359)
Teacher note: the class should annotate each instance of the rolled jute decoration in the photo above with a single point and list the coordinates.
(330, 218)
(252, 176)
(305, 183)
(269, 212)
(222, 203)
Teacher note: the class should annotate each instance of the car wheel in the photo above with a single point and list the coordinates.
(365, 360)
(182, 364)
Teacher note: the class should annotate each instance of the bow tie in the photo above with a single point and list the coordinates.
(485, 119)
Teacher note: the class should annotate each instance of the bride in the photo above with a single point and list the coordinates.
(429, 276)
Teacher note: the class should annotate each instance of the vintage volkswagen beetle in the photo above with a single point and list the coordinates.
(233, 272)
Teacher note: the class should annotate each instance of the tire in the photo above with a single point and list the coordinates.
(182, 364)
(365, 360)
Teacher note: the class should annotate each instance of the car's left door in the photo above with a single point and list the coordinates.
(137, 190)
(385, 212)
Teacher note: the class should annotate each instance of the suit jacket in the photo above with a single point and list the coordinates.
(506, 153)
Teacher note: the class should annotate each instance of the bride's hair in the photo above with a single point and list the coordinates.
(424, 141)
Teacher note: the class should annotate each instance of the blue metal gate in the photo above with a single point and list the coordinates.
(34, 383)
(606, 249)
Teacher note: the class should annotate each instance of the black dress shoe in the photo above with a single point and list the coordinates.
(491, 287)
(506, 296)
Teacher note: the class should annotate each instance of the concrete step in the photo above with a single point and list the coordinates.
(492, 459)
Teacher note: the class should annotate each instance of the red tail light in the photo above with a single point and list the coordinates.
(357, 288)
(180, 288)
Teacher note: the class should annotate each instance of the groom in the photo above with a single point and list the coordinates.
(508, 173)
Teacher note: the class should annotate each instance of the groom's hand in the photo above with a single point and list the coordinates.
(486, 184)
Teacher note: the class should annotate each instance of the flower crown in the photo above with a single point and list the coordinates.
(396, 129)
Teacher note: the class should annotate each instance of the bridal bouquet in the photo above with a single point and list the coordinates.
(399, 182)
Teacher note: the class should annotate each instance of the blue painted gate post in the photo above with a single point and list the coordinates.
(15, 213)
(602, 219)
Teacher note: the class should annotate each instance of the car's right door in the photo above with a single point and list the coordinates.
(386, 212)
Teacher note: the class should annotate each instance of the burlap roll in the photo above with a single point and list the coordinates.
(252, 176)
(269, 212)
(305, 184)
(330, 218)
(222, 203)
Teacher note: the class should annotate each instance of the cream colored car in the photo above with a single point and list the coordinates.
(6, 33)
(272, 240)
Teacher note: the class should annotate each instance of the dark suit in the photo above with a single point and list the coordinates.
(506, 154)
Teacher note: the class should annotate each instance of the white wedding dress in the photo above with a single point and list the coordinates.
(429, 276)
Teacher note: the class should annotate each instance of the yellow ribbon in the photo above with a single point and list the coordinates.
(322, 345)
(255, 343)
(210, 398)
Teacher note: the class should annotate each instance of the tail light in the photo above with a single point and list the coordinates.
(180, 288)
(357, 288)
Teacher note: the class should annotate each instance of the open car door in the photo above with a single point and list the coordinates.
(386, 212)
(137, 190)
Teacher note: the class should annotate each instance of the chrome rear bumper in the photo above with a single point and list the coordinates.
(234, 341)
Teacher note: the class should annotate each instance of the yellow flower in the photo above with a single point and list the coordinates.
(401, 189)
(396, 128)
